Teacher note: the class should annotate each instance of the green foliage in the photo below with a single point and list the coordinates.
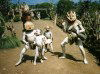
(4, 6)
(44, 5)
(91, 27)
(87, 6)
(32, 6)
(17, 18)
(2, 25)
(63, 6)
(9, 42)
(14, 6)
(89, 13)
(49, 12)
(59, 22)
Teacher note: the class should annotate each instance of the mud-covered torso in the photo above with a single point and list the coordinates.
(29, 36)
(76, 30)
(39, 40)
(48, 34)
(74, 26)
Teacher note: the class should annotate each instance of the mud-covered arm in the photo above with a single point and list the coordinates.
(81, 30)
(24, 38)
(69, 30)
(51, 35)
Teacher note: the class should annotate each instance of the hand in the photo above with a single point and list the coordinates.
(78, 32)
(26, 43)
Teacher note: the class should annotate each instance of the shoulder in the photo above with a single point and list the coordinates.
(50, 32)
(42, 36)
(63, 23)
(34, 31)
(24, 32)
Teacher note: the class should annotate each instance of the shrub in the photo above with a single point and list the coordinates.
(17, 18)
(2, 25)
(59, 22)
(9, 42)
(91, 26)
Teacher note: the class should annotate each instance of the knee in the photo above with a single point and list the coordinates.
(81, 47)
(50, 44)
(36, 54)
(62, 44)
(26, 46)
(43, 49)
(23, 51)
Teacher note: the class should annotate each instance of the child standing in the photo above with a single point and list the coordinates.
(49, 38)
(39, 41)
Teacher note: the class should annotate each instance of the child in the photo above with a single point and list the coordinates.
(39, 41)
(49, 38)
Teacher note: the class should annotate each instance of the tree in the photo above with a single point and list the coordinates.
(2, 25)
(64, 6)
(49, 9)
(4, 6)
(44, 5)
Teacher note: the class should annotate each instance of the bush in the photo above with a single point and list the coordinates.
(91, 26)
(17, 18)
(59, 22)
(9, 42)
(2, 25)
(64, 6)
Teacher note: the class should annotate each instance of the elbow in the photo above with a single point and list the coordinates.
(83, 30)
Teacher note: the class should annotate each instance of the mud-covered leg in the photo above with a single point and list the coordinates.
(82, 51)
(46, 47)
(43, 53)
(63, 43)
(36, 55)
(51, 45)
(22, 54)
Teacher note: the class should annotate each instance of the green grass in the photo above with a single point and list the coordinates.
(9, 42)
